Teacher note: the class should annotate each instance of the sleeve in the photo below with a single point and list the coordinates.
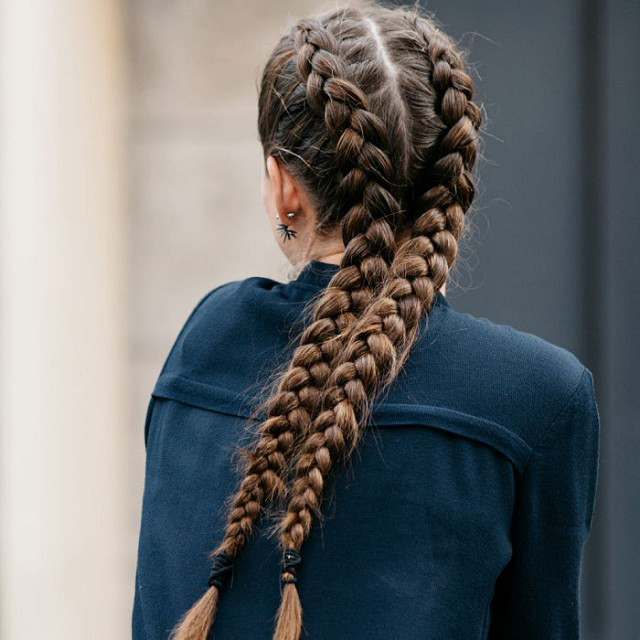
(537, 596)
(151, 402)
(188, 321)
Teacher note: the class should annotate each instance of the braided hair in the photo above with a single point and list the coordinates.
(370, 108)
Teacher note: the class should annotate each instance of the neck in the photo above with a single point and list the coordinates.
(332, 258)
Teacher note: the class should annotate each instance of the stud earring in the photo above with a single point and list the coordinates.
(284, 229)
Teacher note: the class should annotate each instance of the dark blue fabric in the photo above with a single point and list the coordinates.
(462, 515)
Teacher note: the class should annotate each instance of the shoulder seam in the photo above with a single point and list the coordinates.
(568, 404)
(241, 403)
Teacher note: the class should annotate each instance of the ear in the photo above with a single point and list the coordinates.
(285, 188)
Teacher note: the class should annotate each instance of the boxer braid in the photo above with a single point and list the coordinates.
(381, 338)
(351, 166)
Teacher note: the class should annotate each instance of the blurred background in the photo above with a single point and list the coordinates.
(130, 174)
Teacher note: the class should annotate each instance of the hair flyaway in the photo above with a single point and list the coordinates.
(370, 108)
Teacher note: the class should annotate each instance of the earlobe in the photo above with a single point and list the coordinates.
(290, 195)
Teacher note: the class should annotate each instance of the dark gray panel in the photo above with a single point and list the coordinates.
(620, 300)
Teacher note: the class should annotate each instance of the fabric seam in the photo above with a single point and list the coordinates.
(506, 442)
(569, 404)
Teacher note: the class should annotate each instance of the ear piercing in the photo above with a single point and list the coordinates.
(284, 228)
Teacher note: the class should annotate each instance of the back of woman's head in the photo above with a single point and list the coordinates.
(369, 108)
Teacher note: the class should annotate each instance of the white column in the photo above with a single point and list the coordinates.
(63, 411)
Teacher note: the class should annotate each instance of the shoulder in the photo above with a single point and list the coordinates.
(215, 314)
(229, 333)
(493, 376)
(233, 292)
(514, 357)
(528, 372)
(220, 306)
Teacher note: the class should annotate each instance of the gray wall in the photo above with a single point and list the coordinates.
(554, 248)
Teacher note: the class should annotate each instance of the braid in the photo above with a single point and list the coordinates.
(381, 339)
(366, 203)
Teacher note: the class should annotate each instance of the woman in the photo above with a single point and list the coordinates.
(407, 470)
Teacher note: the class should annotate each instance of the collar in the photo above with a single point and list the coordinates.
(318, 274)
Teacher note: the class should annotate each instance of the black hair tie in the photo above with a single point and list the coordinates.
(221, 567)
(291, 558)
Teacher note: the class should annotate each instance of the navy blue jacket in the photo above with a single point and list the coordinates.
(462, 516)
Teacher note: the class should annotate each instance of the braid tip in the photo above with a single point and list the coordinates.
(289, 620)
(197, 622)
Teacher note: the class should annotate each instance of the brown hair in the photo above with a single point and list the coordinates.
(370, 108)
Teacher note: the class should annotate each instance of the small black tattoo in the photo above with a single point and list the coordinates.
(286, 232)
